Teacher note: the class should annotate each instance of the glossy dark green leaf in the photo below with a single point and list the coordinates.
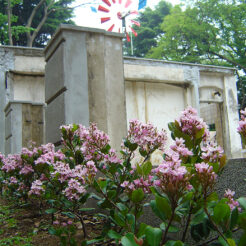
(234, 218)
(50, 211)
(128, 240)
(156, 210)
(153, 236)
(242, 202)
(113, 234)
(221, 211)
(163, 206)
(174, 243)
(137, 195)
(141, 230)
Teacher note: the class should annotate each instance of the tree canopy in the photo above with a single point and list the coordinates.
(32, 21)
(207, 31)
(150, 29)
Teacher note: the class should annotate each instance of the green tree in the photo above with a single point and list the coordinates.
(150, 30)
(32, 22)
(209, 31)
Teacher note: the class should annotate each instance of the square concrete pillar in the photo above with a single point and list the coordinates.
(232, 138)
(84, 81)
(24, 123)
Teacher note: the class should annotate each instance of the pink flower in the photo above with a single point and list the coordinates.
(36, 188)
(173, 179)
(231, 202)
(146, 135)
(206, 176)
(27, 169)
(212, 152)
(190, 123)
(74, 190)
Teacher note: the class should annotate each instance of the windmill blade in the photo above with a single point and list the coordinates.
(134, 12)
(105, 19)
(107, 2)
(111, 28)
(135, 22)
(128, 3)
(103, 9)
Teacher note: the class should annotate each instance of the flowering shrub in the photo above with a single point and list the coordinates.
(242, 126)
(181, 189)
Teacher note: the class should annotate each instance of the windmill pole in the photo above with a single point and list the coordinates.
(131, 44)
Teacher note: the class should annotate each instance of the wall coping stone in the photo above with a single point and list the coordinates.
(156, 62)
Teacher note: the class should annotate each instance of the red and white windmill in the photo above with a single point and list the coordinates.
(119, 15)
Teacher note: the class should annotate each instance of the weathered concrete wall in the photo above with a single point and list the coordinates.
(24, 123)
(21, 79)
(157, 91)
(84, 81)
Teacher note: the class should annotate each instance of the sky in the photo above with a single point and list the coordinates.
(85, 17)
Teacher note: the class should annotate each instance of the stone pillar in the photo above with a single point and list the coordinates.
(24, 123)
(84, 81)
(232, 138)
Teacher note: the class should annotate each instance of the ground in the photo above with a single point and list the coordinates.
(24, 226)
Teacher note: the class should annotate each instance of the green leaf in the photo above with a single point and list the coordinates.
(119, 219)
(200, 231)
(234, 218)
(200, 133)
(231, 242)
(199, 218)
(52, 231)
(106, 149)
(213, 197)
(131, 221)
(137, 195)
(156, 210)
(153, 236)
(129, 145)
(143, 152)
(86, 209)
(141, 230)
(242, 201)
(102, 184)
(128, 240)
(163, 206)
(51, 211)
(147, 167)
(113, 234)
(69, 214)
(221, 211)
(171, 228)
(174, 243)
(242, 240)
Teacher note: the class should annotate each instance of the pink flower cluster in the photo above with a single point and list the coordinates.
(146, 135)
(179, 148)
(138, 183)
(173, 179)
(74, 189)
(190, 123)
(242, 124)
(212, 152)
(206, 176)
(93, 141)
(231, 202)
(36, 188)
(12, 163)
